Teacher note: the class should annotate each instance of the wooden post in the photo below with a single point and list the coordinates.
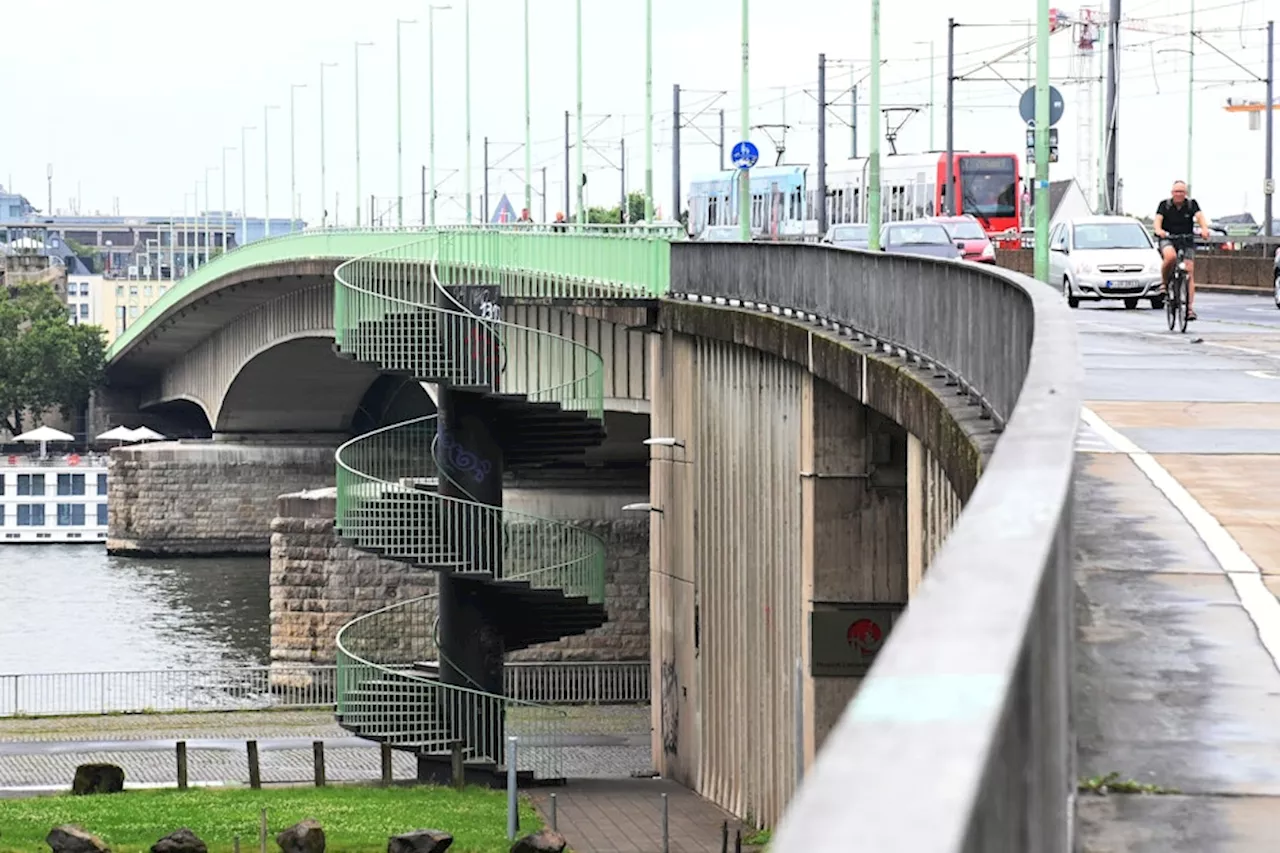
(318, 748)
(235, 844)
(386, 763)
(182, 765)
(459, 771)
(262, 824)
(255, 772)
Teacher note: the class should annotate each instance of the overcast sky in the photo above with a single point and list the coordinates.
(131, 100)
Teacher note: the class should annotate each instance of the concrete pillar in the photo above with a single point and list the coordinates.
(855, 563)
(204, 498)
(916, 487)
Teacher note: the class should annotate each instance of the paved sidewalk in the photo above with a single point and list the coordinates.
(625, 816)
(42, 753)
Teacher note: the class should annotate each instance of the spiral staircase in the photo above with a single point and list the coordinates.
(416, 493)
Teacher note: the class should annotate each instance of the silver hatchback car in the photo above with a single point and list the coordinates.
(1105, 257)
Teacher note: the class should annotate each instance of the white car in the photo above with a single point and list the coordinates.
(1105, 257)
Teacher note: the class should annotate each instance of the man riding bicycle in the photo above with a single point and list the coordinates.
(1177, 216)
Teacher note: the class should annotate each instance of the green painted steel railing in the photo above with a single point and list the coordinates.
(623, 261)
(388, 686)
(394, 309)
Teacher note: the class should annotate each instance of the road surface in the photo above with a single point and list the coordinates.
(1178, 572)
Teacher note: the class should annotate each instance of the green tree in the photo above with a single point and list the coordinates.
(45, 362)
(612, 215)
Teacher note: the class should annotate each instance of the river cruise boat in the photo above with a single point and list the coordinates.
(54, 498)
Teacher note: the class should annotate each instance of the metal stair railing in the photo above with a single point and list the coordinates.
(393, 309)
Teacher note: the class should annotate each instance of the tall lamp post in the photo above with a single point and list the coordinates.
(225, 149)
(399, 132)
(466, 26)
(648, 114)
(244, 182)
(528, 122)
(266, 170)
(208, 235)
(1042, 141)
(582, 208)
(293, 155)
(431, 82)
(744, 175)
(324, 199)
(358, 45)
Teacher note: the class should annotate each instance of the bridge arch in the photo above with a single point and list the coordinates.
(295, 384)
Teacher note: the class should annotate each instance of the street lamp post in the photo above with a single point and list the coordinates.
(931, 88)
(648, 114)
(266, 171)
(1042, 142)
(431, 83)
(744, 175)
(358, 45)
(208, 234)
(324, 199)
(528, 122)
(225, 149)
(577, 179)
(399, 132)
(466, 25)
(244, 182)
(873, 162)
(293, 156)
(195, 219)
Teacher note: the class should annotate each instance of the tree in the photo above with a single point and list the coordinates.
(45, 362)
(613, 215)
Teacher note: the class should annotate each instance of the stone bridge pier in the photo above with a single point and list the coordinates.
(209, 498)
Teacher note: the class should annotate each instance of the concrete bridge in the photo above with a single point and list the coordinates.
(840, 435)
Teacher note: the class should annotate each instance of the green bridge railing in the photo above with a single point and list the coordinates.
(588, 262)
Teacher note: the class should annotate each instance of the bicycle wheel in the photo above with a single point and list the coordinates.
(1171, 302)
(1182, 302)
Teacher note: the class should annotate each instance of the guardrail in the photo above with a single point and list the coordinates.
(260, 687)
(960, 737)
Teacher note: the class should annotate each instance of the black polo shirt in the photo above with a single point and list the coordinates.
(1178, 220)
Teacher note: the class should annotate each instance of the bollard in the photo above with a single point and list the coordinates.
(513, 806)
(666, 834)
(317, 749)
(385, 749)
(458, 770)
(554, 828)
(255, 771)
(724, 837)
(182, 765)
(737, 841)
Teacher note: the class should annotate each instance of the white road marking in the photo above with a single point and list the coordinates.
(1263, 607)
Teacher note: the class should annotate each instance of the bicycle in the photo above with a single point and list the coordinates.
(1175, 303)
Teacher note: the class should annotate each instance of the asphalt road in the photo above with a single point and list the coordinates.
(1177, 567)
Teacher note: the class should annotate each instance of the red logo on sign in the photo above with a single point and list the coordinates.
(865, 636)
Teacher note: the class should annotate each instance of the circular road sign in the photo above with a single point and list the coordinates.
(1027, 105)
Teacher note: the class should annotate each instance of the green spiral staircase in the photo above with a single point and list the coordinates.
(427, 493)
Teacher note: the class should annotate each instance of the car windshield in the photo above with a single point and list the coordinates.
(849, 232)
(1111, 235)
(916, 235)
(966, 229)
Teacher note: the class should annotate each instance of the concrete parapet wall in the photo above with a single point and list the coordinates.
(204, 499)
(815, 477)
(318, 584)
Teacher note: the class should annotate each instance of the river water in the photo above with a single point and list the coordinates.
(72, 608)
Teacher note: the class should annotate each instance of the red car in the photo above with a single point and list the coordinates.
(969, 238)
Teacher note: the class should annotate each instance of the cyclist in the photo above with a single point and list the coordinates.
(1178, 215)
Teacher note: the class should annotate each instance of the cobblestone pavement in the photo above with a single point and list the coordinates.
(606, 741)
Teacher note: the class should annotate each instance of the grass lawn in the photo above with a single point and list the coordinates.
(355, 819)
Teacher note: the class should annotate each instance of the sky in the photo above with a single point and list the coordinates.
(132, 101)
